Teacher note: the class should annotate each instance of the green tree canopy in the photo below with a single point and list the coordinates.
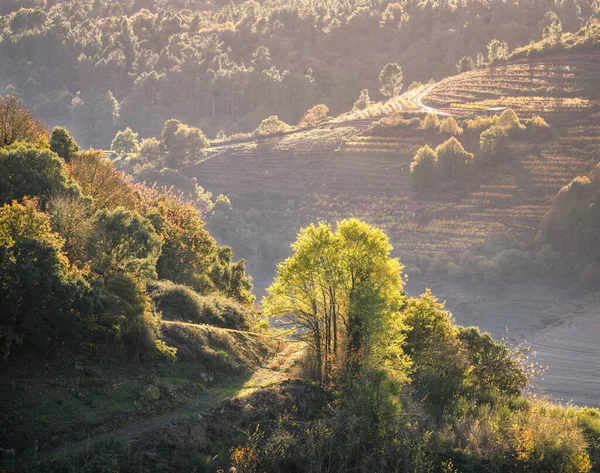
(63, 144)
(497, 51)
(124, 241)
(29, 170)
(125, 142)
(454, 162)
(314, 116)
(494, 142)
(430, 122)
(41, 297)
(271, 126)
(182, 143)
(423, 169)
(342, 292)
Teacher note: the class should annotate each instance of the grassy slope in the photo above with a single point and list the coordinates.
(71, 399)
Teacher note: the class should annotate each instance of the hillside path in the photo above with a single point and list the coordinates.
(278, 369)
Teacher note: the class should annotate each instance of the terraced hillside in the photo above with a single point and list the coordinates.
(348, 167)
(559, 85)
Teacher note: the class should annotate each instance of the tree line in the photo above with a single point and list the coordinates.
(99, 66)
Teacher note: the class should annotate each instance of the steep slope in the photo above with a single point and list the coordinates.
(66, 402)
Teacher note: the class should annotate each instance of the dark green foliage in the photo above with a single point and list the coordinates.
(423, 170)
(63, 144)
(452, 362)
(179, 302)
(125, 142)
(181, 143)
(494, 368)
(124, 241)
(191, 256)
(448, 167)
(454, 164)
(41, 300)
(28, 170)
(123, 311)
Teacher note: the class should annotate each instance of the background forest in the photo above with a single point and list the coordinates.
(99, 66)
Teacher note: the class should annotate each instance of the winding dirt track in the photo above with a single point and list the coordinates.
(278, 369)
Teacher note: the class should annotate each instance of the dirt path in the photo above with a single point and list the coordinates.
(279, 368)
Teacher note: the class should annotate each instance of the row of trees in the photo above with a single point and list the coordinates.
(450, 166)
(104, 65)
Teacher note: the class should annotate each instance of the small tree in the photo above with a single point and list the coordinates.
(151, 151)
(17, 124)
(124, 241)
(552, 34)
(125, 142)
(40, 294)
(466, 64)
(63, 144)
(363, 100)
(423, 169)
(314, 116)
(450, 127)
(182, 143)
(28, 170)
(538, 126)
(271, 126)
(480, 62)
(454, 162)
(509, 120)
(497, 50)
(494, 142)
(99, 179)
(390, 78)
(430, 122)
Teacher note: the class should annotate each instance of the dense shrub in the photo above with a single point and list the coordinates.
(423, 169)
(454, 163)
(271, 126)
(494, 143)
(448, 167)
(179, 302)
(449, 126)
(479, 124)
(314, 116)
(363, 100)
(538, 126)
(430, 122)
(509, 120)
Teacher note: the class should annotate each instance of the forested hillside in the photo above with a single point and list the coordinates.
(351, 155)
(99, 66)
